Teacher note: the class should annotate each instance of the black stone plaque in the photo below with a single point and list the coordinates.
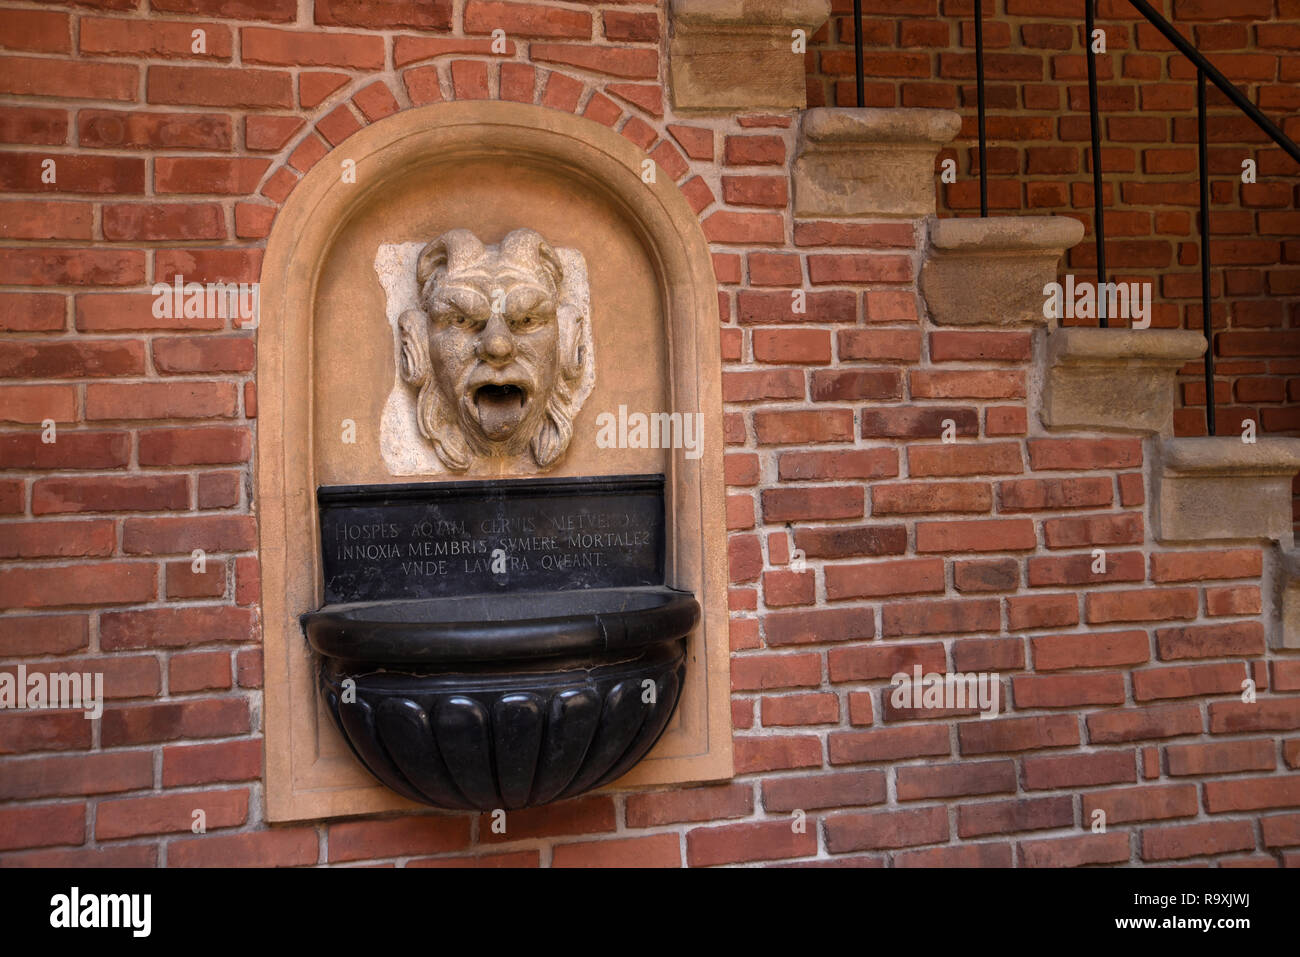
(445, 539)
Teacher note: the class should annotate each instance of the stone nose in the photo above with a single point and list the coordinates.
(495, 344)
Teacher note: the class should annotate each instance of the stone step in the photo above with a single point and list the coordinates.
(869, 163)
(991, 271)
(728, 55)
(1219, 488)
(1115, 379)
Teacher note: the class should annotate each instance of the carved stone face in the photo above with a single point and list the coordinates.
(496, 348)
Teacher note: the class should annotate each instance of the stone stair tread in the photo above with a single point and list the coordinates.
(1228, 455)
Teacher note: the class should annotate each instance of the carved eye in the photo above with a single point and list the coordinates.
(458, 318)
(527, 322)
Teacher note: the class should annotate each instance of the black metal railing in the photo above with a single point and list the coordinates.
(1205, 71)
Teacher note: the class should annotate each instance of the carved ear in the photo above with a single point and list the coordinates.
(527, 247)
(570, 319)
(455, 249)
(415, 365)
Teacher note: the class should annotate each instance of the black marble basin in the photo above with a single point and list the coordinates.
(513, 625)
(504, 701)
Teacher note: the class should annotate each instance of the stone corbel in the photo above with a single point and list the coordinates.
(740, 54)
(1220, 488)
(869, 162)
(991, 272)
(1120, 379)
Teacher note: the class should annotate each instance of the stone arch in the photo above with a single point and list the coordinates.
(307, 772)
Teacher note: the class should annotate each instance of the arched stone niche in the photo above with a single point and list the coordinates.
(328, 351)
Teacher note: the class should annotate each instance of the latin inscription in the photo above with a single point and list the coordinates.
(511, 536)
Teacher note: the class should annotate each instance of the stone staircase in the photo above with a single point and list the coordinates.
(880, 163)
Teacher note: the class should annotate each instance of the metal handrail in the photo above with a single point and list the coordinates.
(1205, 71)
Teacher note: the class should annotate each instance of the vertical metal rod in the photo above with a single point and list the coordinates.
(1207, 323)
(857, 51)
(1094, 119)
(979, 96)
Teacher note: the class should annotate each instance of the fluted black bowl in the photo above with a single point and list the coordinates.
(504, 701)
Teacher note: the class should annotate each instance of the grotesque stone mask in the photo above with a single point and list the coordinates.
(499, 348)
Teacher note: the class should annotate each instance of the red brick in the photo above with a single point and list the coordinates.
(203, 718)
(1236, 639)
(131, 817)
(527, 20)
(151, 39)
(1085, 454)
(209, 174)
(33, 125)
(43, 634)
(200, 671)
(1076, 851)
(195, 400)
(837, 789)
(986, 736)
(1206, 565)
(846, 268)
(76, 775)
(222, 86)
(885, 829)
(397, 837)
(659, 850)
(80, 80)
(201, 764)
(1054, 652)
(769, 753)
(816, 626)
(657, 808)
(737, 843)
(42, 826)
(1224, 757)
(888, 744)
(1196, 840)
(976, 536)
(879, 579)
(763, 672)
(31, 312)
(586, 815)
(1010, 817)
(631, 64)
(956, 460)
(925, 497)
(797, 710)
(92, 584)
(199, 446)
(939, 617)
(63, 266)
(1140, 724)
(1266, 714)
(283, 847)
(175, 627)
(955, 780)
(1152, 604)
(744, 229)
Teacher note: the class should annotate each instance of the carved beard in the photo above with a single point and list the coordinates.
(440, 422)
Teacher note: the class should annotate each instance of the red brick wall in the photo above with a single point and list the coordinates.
(972, 556)
(920, 53)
